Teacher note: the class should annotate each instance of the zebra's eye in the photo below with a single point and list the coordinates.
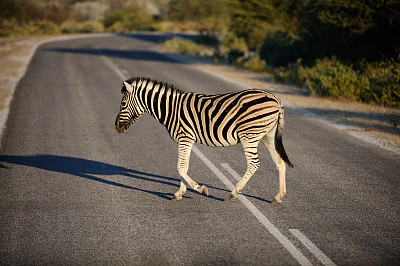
(123, 104)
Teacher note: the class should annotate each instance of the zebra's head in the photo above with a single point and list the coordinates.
(129, 110)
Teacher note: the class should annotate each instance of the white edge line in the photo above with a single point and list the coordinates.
(312, 247)
(297, 255)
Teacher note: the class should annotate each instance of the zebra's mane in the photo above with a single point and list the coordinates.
(155, 81)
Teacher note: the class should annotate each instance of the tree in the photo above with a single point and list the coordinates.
(250, 20)
(351, 30)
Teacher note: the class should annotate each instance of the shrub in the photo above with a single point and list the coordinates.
(179, 45)
(9, 27)
(233, 47)
(254, 64)
(328, 77)
(13, 28)
(234, 56)
(232, 42)
(47, 28)
(91, 26)
(368, 82)
(114, 17)
(131, 19)
(384, 79)
(72, 26)
(290, 73)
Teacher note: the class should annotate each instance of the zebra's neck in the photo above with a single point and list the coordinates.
(159, 100)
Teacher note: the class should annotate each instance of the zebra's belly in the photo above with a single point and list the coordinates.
(219, 141)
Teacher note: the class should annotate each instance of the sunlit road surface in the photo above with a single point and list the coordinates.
(74, 191)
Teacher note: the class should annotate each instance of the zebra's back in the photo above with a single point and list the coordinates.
(216, 120)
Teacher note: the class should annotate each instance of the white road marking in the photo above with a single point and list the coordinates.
(231, 171)
(303, 239)
(297, 255)
(312, 247)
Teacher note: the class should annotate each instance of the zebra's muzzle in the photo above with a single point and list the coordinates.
(121, 127)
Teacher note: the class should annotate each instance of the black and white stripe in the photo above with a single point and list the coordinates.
(215, 120)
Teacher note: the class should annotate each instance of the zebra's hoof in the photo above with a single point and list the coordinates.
(204, 190)
(233, 195)
(176, 198)
(276, 201)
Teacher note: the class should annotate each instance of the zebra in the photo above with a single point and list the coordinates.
(246, 116)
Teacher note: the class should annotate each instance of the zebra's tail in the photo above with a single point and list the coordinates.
(278, 139)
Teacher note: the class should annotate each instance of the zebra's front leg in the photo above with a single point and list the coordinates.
(181, 191)
(185, 149)
(253, 163)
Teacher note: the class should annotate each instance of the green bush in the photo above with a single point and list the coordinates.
(131, 19)
(114, 17)
(14, 28)
(290, 73)
(232, 42)
(254, 64)
(384, 79)
(235, 56)
(47, 28)
(328, 77)
(72, 26)
(179, 45)
(9, 27)
(368, 82)
(233, 47)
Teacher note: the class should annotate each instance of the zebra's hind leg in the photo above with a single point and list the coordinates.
(269, 142)
(185, 149)
(253, 163)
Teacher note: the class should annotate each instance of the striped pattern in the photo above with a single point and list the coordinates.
(214, 120)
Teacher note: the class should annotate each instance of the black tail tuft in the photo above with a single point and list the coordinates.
(278, 140)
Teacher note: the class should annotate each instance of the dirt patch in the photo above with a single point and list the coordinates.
(13, 54)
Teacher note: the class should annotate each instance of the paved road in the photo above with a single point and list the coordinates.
(73, 191)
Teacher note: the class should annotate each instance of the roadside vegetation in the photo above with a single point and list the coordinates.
(49, 17)
(348, 50)
(341, 49)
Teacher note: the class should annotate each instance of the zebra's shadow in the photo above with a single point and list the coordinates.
(90, 169)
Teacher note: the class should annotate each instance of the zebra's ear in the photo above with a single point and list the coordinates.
(128, 87)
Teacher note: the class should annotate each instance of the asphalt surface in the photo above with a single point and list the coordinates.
(73, 191)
